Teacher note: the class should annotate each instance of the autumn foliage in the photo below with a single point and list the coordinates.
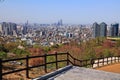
(93, 48)
(36, 52)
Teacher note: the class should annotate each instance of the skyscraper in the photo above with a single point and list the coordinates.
(0, 28)
(99, 30)
(96, 30)
(12, 27)
(8, 28)
(103, 29)
(60, 23)
(114, 30)
(5, 28)
(24, 31)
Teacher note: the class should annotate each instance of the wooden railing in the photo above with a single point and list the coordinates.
(69, 60)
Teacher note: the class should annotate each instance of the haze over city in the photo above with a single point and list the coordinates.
(70, 11)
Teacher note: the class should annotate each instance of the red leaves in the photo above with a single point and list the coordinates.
(108, 44)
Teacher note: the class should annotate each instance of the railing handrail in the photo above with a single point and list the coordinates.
(82, 62)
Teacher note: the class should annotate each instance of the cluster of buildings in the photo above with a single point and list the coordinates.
(62, 34)
(12, 29)
(103, 30)
(45, 34)
(56, 33)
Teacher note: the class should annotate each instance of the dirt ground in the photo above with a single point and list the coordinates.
(111, 68)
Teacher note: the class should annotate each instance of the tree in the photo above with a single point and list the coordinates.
(46, 49)
(118, 43)
(20, 52)
(89, 53)
(3, 49)
(10, 46)
(106, 53)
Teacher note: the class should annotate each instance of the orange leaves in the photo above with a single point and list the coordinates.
(108, 44)
(36, 61)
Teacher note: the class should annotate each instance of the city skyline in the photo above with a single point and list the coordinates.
(70, 11)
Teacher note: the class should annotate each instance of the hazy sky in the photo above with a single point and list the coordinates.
(70, 11)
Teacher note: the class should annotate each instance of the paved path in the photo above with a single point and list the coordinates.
(111, 68)
(80, 73)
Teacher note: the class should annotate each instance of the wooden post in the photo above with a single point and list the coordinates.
(86, 63)
(80, 63)
(111, 59)
(103, 62)
(0, 69)
(67, 58)
(98, 62)
(115, 59)
(74, 61)
(92, 62)
(27, 66)
(45, 60)
(56, 58)
(118, 58)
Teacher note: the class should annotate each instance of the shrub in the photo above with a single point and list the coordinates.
(106, 53)
(3, 49)
(3, 55)
(20, 52)
(10, 46)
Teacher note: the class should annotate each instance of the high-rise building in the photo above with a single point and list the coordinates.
(25, 28)
(24, 31)
(114, 30)
(60, 23)
(0, 28)
(12, 28)
(99, 30)
(96, 30)
(103, 29)
(8, 28)
(5, 28)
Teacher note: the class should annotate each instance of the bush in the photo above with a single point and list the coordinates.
(10, 46)
(55, 46)
(20, 52)
(118, 43)
(3, 49)
(46, 49)
(3, 55)
(106, 53)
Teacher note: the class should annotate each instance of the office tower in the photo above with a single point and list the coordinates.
(0, 27)
(24, 31)
(25, 28)
(9, 28)
(114, 30)
(96, 30)
(103, 29)
(5, 28)
(60, 23)
(12, 28)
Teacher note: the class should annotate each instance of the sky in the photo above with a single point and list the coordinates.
(70, 11)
